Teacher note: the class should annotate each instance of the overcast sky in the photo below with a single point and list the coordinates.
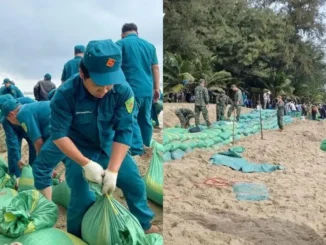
(38, 37)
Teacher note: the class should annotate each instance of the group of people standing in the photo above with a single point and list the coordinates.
(94, 122)
(202, 103)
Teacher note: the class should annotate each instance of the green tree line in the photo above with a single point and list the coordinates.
(256, 44)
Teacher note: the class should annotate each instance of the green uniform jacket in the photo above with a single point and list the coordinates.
(201, 94)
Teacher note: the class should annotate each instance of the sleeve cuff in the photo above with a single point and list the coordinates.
(58, 135)
(122, 140)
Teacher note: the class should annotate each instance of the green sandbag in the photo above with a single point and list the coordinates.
(159, 105)
(225, 135)
(172, 146)
(50, 236)
(209, 142)
(167, 156)
(201, 144)
(217, 139)
(26, 181)
(5, 179)
(61, 194)
(6, 194)
(177, 154)
(154, 177)
(188, 144)
(29, 211)
(323, 145)
(109, 222)
(5, 240)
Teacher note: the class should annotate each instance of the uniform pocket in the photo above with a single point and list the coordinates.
(86, 118)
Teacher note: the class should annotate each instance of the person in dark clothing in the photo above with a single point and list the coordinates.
(314, 111)
(43, 87)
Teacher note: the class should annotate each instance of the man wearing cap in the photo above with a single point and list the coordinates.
(72, 66)
(237, 103)
(34, 118)
(10, 88)
(43, 87)
(91, 122)
(14, 135)
(140, 66)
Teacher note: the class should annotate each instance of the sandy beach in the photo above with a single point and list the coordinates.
(143, 164)
(195, 213)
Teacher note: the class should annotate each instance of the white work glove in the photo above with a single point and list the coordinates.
(109, 182)
(94, 172)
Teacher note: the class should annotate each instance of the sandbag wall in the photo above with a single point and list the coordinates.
(178, 141)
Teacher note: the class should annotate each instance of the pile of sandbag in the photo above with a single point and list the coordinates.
(26, 216)
(178, 141)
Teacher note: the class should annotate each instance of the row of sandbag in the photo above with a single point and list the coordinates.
(221, 133)
(28, 217)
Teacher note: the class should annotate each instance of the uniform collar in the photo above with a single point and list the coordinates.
(131, 35)
(78, 57)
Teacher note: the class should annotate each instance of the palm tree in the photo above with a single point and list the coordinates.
(176, 70)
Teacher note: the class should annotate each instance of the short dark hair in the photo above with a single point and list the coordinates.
(84, 69)
(129, 27)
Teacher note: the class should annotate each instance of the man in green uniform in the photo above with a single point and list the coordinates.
(72, 66)
(184, 116)
(201, 102)
(9, 88)
(237, 103)
(280, 112)
(221, 103)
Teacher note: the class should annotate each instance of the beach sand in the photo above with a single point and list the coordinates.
(195, 213)
(143, 164)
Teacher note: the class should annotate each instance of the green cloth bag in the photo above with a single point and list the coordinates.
(49, 236)
(5, 179)
(29, 211)
(26, 181)
(6, 194)
(154, 176)
(108, 222)
(61, 194)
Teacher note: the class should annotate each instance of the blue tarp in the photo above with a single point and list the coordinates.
(233, 159)
(250, 192)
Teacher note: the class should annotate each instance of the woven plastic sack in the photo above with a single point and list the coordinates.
(61, 194)
(188, 144)
(6, 194)
(177, 154)
(172, 146)
(5, 240)
(108, 222)
(29, 211)
(49, 236)
(26, 181)
(167, 156)
(5, 179)
(225, 135)
(154, 176)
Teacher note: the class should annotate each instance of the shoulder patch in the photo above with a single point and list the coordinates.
(24, 127)
(130, 104)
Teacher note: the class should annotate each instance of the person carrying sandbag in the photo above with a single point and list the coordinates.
(14, 136)
(91, 123)
(34, 118)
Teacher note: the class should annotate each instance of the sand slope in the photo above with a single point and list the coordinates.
(295, 213)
